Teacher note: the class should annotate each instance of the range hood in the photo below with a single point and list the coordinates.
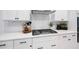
(43, 11)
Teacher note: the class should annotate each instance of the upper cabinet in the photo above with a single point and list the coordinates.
(61, 15)
(16, 14)
(23, 14)
(8, 14)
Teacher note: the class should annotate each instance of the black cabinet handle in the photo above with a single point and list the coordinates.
(23, 42)
(53, 45)
(16, 18)
(69, 39)
(73, 35)
(2, 45)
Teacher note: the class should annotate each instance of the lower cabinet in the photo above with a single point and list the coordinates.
(72, 41)
(65, 41)
(6, 44)
(41, 43)
(55, 42)
(49, 42)
(23, 44)
(68, 41)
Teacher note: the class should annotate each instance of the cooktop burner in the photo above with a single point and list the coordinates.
(42, 31)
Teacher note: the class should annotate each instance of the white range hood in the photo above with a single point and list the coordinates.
(43, 11)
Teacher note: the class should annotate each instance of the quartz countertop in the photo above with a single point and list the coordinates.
(20, 35)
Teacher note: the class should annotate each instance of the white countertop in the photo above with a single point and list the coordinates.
(20, 35)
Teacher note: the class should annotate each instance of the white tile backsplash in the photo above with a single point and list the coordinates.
(40, 21)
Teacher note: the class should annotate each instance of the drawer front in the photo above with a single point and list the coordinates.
(6, 45)
(69, 41)
(72, 40)
(41, 43)
(23, 44)
(56, 42)
(63, 41)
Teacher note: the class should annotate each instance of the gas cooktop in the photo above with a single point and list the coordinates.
(43, 31)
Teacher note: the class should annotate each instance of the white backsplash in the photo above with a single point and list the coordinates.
(40, 21)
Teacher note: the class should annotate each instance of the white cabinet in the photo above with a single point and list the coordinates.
(55, 42)
(23, 14)
(41, 43)
(65, 41)
(72, 40)
(68, 41)
(6, 44)
(61, 15)
(23, 43)
(9, 14)
(16, 14)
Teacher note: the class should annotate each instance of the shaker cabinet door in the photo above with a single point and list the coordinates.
(16, 14)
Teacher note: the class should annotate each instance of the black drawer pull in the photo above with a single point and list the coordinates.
(40, 48)
(69, 39)
(23, 42)
(73, 35)
(2, 45)
(16, 18)
(64, 36)
(53, 45)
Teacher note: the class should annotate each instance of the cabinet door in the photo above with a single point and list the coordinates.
(23, 44)
(61, 15)
(9, 14)
(72, 41)
(69, 41)
(63, 38)
(55, 42)
(6, 44)
(52, 42)
(41, 43)
(23, 14)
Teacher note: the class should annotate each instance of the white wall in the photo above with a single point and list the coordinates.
(1, 23)
(40, 21)
(72, 18)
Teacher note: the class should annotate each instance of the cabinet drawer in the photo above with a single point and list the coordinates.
(41, 43)
(69, 40)
(72, 37)
(55, 42)
(23, 44)
(6, 44)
